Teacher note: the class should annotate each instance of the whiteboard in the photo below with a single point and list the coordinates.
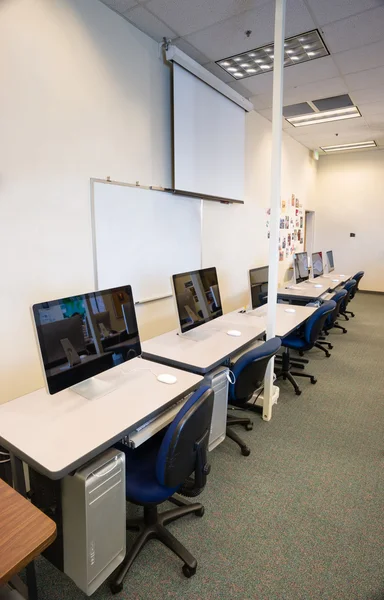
(141, 237)
(209, 145)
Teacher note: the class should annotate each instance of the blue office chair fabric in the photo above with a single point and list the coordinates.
(304, 339)
(331, 321)
(159, 469)
(249, 371)
(350, 287)
(358, 277)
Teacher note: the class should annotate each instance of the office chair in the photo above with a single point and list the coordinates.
(331, 320)
(304, 339)
(161, 467)
(249, 371)
(350, 286)
(359, 275)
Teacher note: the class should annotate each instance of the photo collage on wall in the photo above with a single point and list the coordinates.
(291, 236)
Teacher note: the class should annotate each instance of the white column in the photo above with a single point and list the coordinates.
(277, 124)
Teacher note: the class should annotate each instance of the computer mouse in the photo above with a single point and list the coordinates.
(166, 378)
(335, 280)
(318, 285)
(290, 310)
(234, 333)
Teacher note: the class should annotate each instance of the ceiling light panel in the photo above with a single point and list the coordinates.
(354, 146)
(297, 49)
(326, 116)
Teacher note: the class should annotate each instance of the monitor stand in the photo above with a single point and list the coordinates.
(94, 388)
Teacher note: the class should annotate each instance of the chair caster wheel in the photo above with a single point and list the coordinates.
(330, 347)
(327, 355)
(200, 512)
(313, 380)
(188, 572)
(345, 331)
(298, 392)
(116, 588)
(245, 451)
(249, 427)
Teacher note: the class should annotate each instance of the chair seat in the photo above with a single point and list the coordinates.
(295, 342)
(142, 486)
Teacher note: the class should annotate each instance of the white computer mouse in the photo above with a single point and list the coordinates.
(166, 378)
(335, 280)
(318, 285)
(234, 332)
(290, 310)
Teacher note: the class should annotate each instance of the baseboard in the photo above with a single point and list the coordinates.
(371, 292)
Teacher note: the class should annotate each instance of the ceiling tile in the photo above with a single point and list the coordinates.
(360, 59)
(314, 70)
(148, 23)
(228, 37)
(310, 91)
(371, 78)
(328, 11)
(373, 108)
(356, 31)
(376, 121)
(368, 95)
(188, 16)
(261, 101)
(191, 51)
(120, 6)
(259, 84)
(240, 88)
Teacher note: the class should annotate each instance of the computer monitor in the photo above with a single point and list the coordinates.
(331, 264)
(197, 297)
(317, 264)
(258, 279)
(301, 267)
(82, 336)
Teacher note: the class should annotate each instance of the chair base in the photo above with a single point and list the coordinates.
(340, 327)
(320, 347)
(152, 526)
(247, 423)
(286, 373)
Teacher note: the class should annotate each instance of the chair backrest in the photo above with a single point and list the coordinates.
(249, 371)
(350, 286)
(338, 299)
(315, 324)
(184, 446)
(359, 275)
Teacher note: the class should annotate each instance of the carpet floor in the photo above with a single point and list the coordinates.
(301, 518)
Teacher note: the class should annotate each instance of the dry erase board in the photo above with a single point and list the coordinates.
(141, 237)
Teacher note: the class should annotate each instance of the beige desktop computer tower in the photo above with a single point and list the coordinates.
(94, 514)
(218, 381)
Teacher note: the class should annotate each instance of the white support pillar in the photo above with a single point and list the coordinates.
(277, 125)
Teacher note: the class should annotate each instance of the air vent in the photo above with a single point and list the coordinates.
(293, 110)
(333, 102)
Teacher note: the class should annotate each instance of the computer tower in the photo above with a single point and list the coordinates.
(218, 381)
(94, 514)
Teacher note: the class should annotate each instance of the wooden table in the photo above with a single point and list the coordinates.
(24, 532)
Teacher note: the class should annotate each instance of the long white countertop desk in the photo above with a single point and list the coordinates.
(55, 434)
(286, 321)
(203, 349)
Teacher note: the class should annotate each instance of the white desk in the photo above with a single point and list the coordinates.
(204, 354)
(334, 280)
(286, 322)
(57, 434)
(303, 291)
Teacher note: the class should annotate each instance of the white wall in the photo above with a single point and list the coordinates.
(84, 95)
(350, 199)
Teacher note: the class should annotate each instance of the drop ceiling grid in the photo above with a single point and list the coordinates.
(209, 30)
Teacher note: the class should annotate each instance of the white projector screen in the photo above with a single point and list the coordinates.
(209, 139)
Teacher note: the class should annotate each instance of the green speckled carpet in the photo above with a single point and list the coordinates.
(302, 518)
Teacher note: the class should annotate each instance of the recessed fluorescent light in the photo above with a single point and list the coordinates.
(294, 58)
(297, 46)
(251, 70)
(354, 146)
(265, 66)
(238, 74)
(326, 116)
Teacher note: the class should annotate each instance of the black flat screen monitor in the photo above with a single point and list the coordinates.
(301, 267)
(331, 264)
(82, 336)
(197, 297)
(317, 264)
(258, 279)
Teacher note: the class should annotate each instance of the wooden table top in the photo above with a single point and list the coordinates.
(24, 532)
